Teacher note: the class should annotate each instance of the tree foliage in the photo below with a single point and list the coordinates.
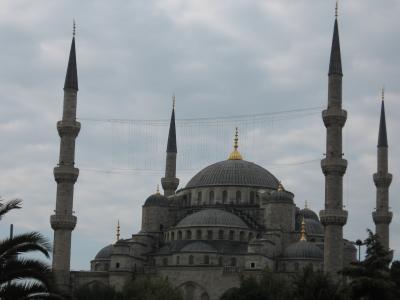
(97, 292)
(146, 288)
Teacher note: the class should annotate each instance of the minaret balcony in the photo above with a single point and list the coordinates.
(382, 179)
(66, 222)
(66, 173)
(382, 217)
(333, 165)
(70, 128)
(169, 183)
(334, 117)
(333, 217)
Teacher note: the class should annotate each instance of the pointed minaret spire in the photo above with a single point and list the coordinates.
(71, 78)
(335, 62)
(382, 137)
(382, 216)
(118, 231)
(169, 181)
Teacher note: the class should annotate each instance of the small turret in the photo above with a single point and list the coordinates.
(155, 213)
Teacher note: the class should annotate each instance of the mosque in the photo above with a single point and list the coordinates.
(232, 218)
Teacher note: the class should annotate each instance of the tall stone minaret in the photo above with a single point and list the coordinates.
(333, 217)
(382, 216)
(65, 174)
(170, 182)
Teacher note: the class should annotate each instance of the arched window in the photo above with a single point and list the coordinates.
(220, 260)
(233, 261)
(238, 197)
(179, 235)
(209, 235)
(221, 235)
(178, 260)
(165, 261)
(161, 227)
(231, 235)
(206, 259)
(199, 198)
(191, 260)
(252, 197)
(117, 265)
(198, 234)
(241, 236)
(172, 235)
(211, 197)
(251, 236)
(296, 267)
(188, 235)
(224, 197)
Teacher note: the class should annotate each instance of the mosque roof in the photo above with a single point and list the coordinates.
(156, 200)
(234, 172)
(212, 217)
(307, 213)
(303, 249)
(313, 227)
(104, 253)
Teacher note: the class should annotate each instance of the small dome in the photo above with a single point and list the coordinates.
(212, 217)
(104, 253)
(303, 249)
(307, 213)
(156, 200)
(198, 247)
(234, 172)
(313, 227)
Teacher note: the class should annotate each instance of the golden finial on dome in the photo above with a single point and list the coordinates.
(280, 187)
(303, 234)
(158, 189)
(118, 231)
(235, 154)
(173, 101)
(306, 204)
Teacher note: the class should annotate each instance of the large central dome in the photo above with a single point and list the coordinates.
(233, 172)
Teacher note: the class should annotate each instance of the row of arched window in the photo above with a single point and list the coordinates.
(205, 260)
(200, 199)
(208, 235)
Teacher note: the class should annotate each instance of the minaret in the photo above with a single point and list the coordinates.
(170, 182)
(382, 179)
(65, 174)
(333, 217)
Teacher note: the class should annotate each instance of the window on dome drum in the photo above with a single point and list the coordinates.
(198, 234)
(238, 197)
(241, 236)
(172, 236)
(224, 197)
(252, 265)
(221, 235)
(296, 267)
(191, 259)
(117, 265)
(233, 261)
(211, 197)
(231, 235)
(178, 260)
(179, 235)
(188, 235)
(206, 260)
(252, 197)
(199, 198)
(209, 235)
(165, 261)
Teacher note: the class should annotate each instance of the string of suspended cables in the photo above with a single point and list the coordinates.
(129, 146)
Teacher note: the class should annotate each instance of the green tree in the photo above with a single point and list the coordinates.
(146, 288)
(371, 278)
(22, 277)
(97, 292)
(316, 285)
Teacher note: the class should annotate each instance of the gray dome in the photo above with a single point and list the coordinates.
(313, 227)
(156, 200)
(198, 247)
(234, 173)
(303, 249)
(308, 214)
(104, 253)
(212, 217)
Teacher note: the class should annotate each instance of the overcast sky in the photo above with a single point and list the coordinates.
(221, 58)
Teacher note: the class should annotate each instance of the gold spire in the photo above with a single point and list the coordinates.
(303, 234)
(118, 231)
(73, 28)
(235, 154)
(280, 187)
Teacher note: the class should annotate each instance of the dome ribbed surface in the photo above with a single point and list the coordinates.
(156, 200)
(303, 249)
(212, 217)
(313, 227)
(308, 214)
(198, 247)
(104, 253)
(234, 173)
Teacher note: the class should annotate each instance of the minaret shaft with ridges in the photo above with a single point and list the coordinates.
(333, 217)
(382, 216)
(65, 174)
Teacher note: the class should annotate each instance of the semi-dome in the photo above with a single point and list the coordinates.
(156, 200)
(234, 172)
(313, 227)
(104, 253)
(307, 213)
(198, 247)
(303, 249)
(212, 217)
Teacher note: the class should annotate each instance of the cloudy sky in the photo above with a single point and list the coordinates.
(220, 58)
